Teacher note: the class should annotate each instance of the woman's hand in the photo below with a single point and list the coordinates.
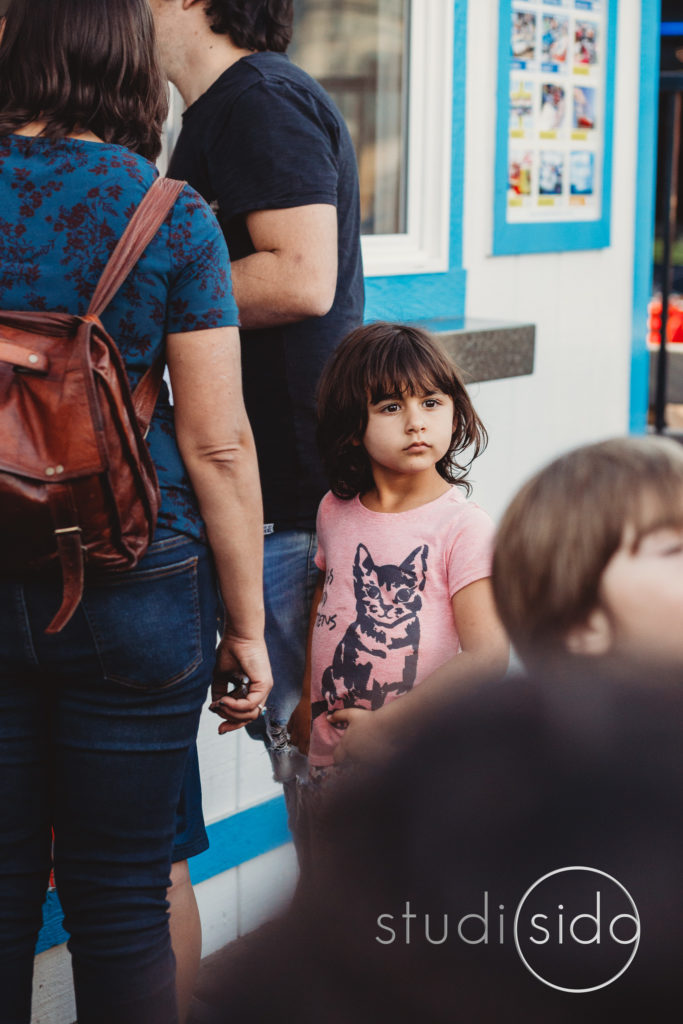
(250, 657)
(299, 725)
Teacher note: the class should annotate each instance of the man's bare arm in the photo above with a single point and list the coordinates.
(293, 273)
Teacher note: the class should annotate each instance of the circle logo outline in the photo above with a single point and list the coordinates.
(539, 977)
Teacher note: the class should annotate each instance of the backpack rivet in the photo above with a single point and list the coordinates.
(50, 471)
(33, 358)
(59, 469)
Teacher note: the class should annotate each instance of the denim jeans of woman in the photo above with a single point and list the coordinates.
(95, 728)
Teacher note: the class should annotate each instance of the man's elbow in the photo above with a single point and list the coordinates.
(316, 298)
(320, 308)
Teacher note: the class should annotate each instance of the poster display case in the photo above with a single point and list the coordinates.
(555, 122)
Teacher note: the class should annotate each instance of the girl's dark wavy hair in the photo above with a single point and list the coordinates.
(379, 361)
(253, 24)
(83, 65)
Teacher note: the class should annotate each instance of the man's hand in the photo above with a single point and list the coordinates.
(250, 657)
(363, 739)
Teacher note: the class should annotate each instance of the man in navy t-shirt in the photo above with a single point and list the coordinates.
(266, 146)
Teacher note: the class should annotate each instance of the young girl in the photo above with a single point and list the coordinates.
(404, 596)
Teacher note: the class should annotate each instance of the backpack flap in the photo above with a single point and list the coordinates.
(46, 401)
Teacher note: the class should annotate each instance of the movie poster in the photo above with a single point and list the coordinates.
(556, 109)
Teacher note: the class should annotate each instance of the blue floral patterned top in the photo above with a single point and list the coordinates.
(63, 206)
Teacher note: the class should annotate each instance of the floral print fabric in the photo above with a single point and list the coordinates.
(63, 206)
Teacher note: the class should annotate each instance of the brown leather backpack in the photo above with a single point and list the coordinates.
(77, 484)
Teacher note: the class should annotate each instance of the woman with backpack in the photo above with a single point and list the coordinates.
(107, 651)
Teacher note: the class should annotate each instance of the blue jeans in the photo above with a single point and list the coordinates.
(95, 728)
(289, 576)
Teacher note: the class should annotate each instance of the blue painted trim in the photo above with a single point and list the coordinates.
(242, 837)
(234, 840)
(671, 28)
(417, 296)
(560, 236)
(646, 185)
(52, 933)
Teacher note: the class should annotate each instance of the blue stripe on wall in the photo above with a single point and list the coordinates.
(646, 178)
(236, 839)
(241, 837)
(52, 933)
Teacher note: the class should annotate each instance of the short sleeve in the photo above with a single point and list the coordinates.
(469, 554)
(276, 151)
(200, 294)
(320, 525)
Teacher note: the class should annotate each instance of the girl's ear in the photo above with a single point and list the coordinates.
(593, 637)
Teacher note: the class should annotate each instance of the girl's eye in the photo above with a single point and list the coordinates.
(431, 403)
(392, 407)
(673, 549)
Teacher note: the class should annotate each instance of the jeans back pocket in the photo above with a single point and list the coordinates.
(146, 624)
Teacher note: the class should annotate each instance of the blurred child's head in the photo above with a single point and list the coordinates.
(374, 363)
(589, 555)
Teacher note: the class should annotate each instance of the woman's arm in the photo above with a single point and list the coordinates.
(484, 655)
(217, 448)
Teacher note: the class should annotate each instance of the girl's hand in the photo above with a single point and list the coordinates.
(299, 726)
(236, 654)
(363, 738)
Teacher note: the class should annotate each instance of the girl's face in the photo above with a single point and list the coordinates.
(409, 434)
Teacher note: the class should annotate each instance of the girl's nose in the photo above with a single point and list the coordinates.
(415, 420)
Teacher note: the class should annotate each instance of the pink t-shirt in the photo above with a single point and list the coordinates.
(385, 620)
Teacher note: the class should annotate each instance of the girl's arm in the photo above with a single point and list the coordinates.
(484, 655)
(299, 725)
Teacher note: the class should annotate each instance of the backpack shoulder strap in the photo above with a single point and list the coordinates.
(140, 231)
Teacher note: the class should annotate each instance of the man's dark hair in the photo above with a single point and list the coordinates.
(253, 24)
(83, 65)
(378, 361)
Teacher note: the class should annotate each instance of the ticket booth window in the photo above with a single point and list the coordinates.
(359, 54)
(388, 65)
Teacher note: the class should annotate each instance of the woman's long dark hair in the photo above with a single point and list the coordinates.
(83, 65)
(378, 361)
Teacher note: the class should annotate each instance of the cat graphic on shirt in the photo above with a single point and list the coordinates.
(379, 650)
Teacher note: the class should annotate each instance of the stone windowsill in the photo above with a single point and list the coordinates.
(486, 349)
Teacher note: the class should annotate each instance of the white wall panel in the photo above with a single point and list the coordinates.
(53, 994)
(580, 301)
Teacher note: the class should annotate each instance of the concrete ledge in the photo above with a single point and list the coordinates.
(674, 373)
(486, 349)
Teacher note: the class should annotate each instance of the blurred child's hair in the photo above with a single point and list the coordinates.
(376, 362)
(564, 526)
